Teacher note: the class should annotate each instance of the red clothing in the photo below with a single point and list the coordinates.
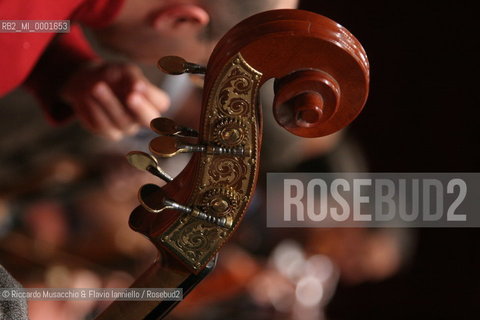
(47, 59)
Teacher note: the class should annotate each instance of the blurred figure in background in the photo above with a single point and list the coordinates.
(111, 99)
(44, 204)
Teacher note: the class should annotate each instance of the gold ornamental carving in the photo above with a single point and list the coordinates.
(224, 182)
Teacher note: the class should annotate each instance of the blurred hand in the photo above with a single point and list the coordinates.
(113, 100)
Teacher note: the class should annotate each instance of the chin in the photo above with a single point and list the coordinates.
(143, 59)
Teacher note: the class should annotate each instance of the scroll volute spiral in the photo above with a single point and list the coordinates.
(322, 77)
(321, 69)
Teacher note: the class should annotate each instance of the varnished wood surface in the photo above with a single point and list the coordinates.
(277, 44)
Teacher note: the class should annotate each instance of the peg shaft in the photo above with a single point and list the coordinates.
(154, 200)
(169, 146)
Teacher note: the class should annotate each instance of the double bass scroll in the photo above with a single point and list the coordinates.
(321, 77)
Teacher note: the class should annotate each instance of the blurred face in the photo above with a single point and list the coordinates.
(147, 46)
(146, 33)
(146, 30)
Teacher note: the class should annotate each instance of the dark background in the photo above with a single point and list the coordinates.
(419, 118)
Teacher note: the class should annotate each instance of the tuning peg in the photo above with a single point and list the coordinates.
(175, 65)
(169, 146)
(146, 162)
(160, 202)
(168, 127)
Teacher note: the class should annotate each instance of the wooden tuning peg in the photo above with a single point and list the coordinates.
(167, 147)
(146, 162)
(176, 65)
(168, 127)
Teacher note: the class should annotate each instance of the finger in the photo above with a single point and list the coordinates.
(143, 110)
(84, 117)
(132, 79)
(99, 121)
(112, 107)
(140, 84)
(158, 98)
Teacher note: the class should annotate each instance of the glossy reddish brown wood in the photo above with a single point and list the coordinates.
(307, 53)
(322, 83)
